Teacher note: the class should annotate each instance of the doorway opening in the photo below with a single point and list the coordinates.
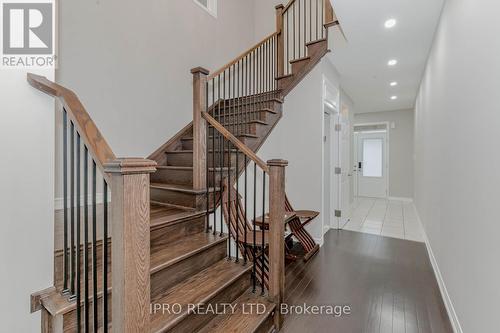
(336, 159)
(371, 167)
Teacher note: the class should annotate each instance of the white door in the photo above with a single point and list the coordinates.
(372, 164)
(327, 162)
(345, 165)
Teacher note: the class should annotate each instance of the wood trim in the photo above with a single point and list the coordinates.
(288, 5)
(130, 218)
(329, 13)
(238, 58)
(199, 128)
(280, 50)
(90, 134)
(276, 232)
(35, 298)
(240, 145)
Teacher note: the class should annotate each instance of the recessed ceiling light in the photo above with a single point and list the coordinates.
(392, 62)
(390, 23)
(394, 97)
(393, 83)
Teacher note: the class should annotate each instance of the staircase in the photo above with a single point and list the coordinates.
(166, 208)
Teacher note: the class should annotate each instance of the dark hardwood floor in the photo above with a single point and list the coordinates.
(388, 284)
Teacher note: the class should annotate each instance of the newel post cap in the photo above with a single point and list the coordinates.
(280, 6)
(130, 165)
(200, 70)
(277, 162)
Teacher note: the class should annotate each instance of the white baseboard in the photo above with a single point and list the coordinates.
(59, 202)
(442, 286)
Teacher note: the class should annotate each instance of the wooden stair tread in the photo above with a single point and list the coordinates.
(187, 168)
(162, 215)
(169, 254)
(199, 289)
(300, 59)
(316, 41)
(181, 188)
(245, 135)
(255, 121)
(241, 320)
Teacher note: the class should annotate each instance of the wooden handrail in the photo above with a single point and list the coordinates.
(291, 2)
(241, 56)
(240, 145)
(92, 137)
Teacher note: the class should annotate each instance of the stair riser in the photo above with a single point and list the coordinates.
(297, 66)
(173, 197)
(180, 159)
(284, 82)
(312, 49)
(173, 232)
(255, 104)
(194, 322)
(243, 116)
(187, 144)
(225, 157)
(173, 176)
(168, 277)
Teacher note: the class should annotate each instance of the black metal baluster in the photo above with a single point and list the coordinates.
(207, 152)
(72, 198)
(262, 233)
(237, 206)
(94, 247)
(78, 228)
(230, 186)
(65, 200)
(214, 163)
(105, 260)
(246, 209)
(254, 249)
(221, 166)
(86, 237)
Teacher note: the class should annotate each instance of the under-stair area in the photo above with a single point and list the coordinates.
(161, 237)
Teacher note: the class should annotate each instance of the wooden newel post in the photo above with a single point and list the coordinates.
(281, 44)
(277, 235)
(199, 128)
(130, 227)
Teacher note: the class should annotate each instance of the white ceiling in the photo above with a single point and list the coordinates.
(362, 60)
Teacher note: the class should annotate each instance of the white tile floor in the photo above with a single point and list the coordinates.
(389, 218)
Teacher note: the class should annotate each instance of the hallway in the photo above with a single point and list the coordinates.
(390, 218)
(388, 283)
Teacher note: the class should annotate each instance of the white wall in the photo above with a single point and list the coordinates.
(456, 146)
(131, 65)
(298, 138)
(265, 17)
(400, 148)
(26, 198)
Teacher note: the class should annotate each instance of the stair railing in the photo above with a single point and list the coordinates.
(123, 238)
(302, 22)
(258, 206)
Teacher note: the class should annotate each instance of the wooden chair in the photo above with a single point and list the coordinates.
(243, 233)
(297, 224)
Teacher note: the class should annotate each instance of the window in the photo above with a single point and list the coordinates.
(373, 157)
(209, 5)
